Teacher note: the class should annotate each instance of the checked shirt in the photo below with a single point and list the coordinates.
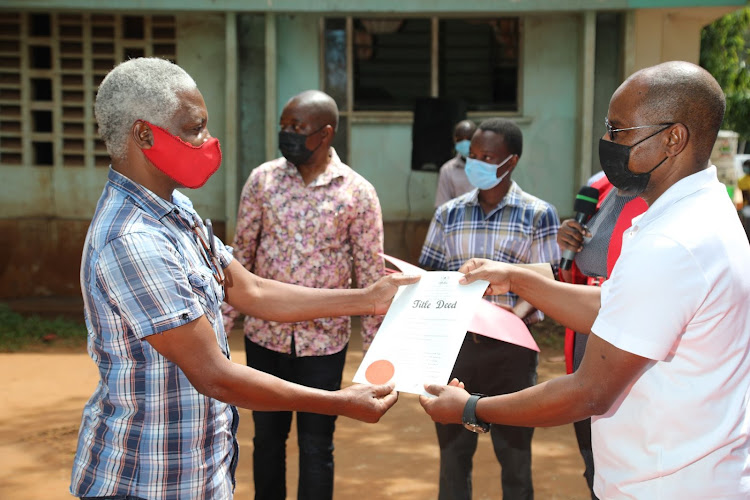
(146, 431)
(521, 229)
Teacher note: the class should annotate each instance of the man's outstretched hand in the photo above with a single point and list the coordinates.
(448, 405)
(382, 291)
(368, 402)
(497, 273)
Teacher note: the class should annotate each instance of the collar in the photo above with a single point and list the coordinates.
(680, 189)
(334, 169)
(512, 198)
(147, 200)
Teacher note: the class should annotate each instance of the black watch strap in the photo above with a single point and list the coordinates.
(470, 420)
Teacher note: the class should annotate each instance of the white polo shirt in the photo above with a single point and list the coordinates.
(679, 295)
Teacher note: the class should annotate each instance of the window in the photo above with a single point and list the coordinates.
(391, 62)
(50, 67)
(479, 63)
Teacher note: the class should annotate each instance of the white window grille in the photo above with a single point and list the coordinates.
(50, 67)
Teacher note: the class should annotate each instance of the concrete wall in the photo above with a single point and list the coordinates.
(45, 214)
(381, 151)
(46, 211)
(608, 74)
(201, 52)
(551, 101)
(658, 35)
(298, 57)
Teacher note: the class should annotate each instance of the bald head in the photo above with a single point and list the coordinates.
(464, 130)
(681, 92)
(319, 106)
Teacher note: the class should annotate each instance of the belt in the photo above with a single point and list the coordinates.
(478, 339)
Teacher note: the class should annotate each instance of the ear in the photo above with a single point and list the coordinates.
(328, 134)
(513, 162)
(142, 135)
(677, 139)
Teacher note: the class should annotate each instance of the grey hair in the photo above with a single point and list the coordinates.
(138, 89)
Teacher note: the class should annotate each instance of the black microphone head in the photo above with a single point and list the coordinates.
(586, 200)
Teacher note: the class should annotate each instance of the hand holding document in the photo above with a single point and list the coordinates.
(491, 320)
(422, 332)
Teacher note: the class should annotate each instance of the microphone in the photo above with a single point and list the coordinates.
(584, 207)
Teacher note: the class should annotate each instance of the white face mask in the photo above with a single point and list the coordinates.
(484, 175)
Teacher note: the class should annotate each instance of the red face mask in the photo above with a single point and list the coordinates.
(188, 165)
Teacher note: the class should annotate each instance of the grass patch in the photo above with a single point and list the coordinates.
(18, 332)
(549, 334)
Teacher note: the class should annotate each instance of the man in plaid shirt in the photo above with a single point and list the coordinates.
(496, 221)
(162, 423)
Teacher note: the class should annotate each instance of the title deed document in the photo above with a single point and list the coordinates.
(422, 333)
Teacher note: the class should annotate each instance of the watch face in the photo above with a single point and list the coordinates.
(478, 428)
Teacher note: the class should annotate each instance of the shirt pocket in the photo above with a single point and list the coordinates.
(207, 290)
(210, 295)
(330, 224)
(515, 248)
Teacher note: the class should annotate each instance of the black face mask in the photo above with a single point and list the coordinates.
(292, 146)
(614, 159)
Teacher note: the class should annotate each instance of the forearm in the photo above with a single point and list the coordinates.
(574, 306)
(283, 302)
(246, 387)
(555, 402)
(368, 268)
(605, 374)
(194, 349)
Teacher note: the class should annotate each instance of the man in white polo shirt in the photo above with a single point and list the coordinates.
(666, 374)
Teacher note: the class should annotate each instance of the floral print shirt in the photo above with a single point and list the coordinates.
(318, 235)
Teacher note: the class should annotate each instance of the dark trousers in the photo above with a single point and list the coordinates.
(583, 428)
(490, 367)
(314, 432)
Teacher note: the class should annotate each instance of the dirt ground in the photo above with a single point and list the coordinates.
(42, 395)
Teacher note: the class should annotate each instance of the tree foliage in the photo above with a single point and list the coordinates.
(725, 53)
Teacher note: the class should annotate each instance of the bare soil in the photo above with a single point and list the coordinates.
(42, 394)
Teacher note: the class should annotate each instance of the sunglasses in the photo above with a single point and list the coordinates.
(611, 131)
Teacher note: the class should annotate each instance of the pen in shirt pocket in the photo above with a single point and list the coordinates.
(210, 232)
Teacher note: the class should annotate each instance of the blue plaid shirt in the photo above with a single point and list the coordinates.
(522, 229)
(146, 431)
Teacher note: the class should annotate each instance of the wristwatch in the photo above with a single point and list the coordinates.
(470, 420)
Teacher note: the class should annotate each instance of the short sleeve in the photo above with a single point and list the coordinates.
(433, 250)
(144, 280)
(224, 253)
(655, 289)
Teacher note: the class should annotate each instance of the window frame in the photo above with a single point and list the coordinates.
(406, 116)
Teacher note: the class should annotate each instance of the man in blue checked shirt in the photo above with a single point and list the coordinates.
(161, 423)
(498, 221)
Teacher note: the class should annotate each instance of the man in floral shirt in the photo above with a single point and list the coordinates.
(305, 218)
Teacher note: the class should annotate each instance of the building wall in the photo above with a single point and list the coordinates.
(551, 101)
(201, 52)
(381, 150)
(45, 212)
(658, 35)
(298, 56)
